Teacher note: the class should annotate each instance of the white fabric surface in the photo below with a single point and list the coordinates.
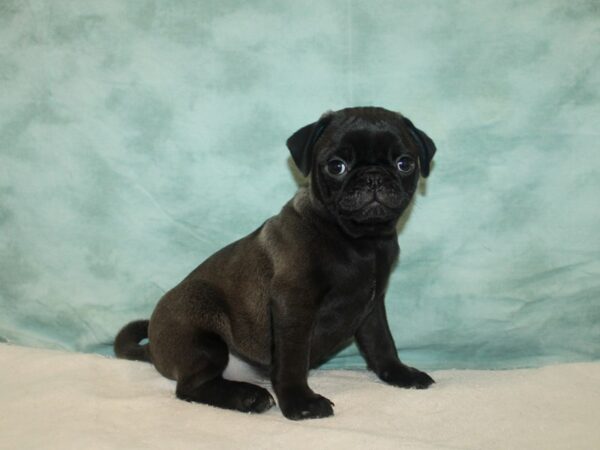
(51, 399)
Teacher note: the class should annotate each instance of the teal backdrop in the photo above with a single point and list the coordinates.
(138, 137)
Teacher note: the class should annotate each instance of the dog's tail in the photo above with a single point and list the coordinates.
(127, 343)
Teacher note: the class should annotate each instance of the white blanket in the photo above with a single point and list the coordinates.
(51, 399)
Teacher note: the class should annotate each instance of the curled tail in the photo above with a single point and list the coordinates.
(127, 343)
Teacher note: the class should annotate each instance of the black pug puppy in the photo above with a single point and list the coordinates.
(306, 283)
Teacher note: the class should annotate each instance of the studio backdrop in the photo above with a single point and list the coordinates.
(138, 137)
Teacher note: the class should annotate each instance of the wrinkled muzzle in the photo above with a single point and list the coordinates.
(372, 196)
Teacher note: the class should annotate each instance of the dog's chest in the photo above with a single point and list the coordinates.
(344, 307)
(349, 299)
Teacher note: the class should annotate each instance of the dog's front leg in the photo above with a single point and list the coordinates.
(376, 343)
(292, 320)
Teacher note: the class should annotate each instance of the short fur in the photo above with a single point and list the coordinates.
(306, 283)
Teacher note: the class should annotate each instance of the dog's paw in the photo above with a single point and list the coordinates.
(305, 406)
(406, 377)
(253, 399)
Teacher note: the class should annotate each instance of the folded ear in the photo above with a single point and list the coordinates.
(426, 147)
(302, 142)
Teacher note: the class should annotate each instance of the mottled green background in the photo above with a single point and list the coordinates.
(137, 137)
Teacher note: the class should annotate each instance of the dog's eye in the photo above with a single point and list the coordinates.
(336, 167)
(405, 164)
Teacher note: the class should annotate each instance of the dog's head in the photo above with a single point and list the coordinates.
(364, 166)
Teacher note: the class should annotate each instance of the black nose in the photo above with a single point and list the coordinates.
(373, 179)
(382, 188)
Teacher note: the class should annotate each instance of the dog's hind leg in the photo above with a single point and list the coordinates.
(199, 379)
(186, 344)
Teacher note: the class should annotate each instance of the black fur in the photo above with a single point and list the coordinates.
(306, 283)
(127, 341)
(302, 142)
(426, 147)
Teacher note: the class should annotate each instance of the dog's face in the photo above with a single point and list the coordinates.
(364, 166)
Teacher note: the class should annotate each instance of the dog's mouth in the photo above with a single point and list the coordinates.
(373, 219)
(371, 212)
(373, 215)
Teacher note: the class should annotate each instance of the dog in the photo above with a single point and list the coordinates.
(306, 283)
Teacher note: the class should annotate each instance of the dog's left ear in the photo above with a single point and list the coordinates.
(426, 147)
(302, 142)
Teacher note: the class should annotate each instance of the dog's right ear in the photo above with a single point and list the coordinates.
(302, 142)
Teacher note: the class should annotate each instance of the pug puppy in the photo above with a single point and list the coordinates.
(306, 283)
